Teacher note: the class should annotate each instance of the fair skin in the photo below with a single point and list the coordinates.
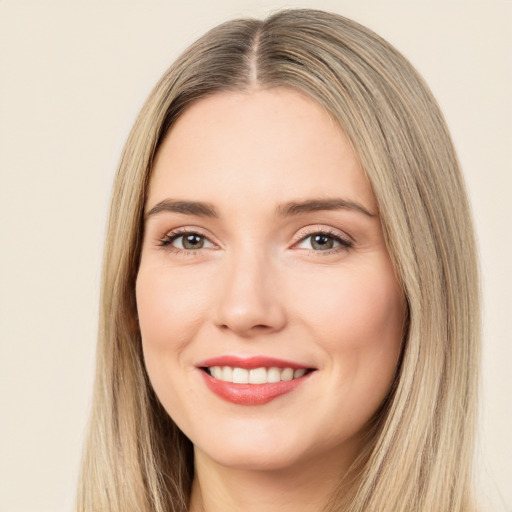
(262, 239)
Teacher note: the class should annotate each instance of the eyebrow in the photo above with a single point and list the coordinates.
(202, 209)
(197, 208)
(315, 205)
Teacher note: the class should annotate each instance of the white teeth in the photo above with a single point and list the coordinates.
(227, 374)
(287, 374)
(240, 376)
(256, 375)
(274, 375)
(217, 372)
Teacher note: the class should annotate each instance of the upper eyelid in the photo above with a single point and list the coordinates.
(311, 230)
(179, 232)
(185, 230)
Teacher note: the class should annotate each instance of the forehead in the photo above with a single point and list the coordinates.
(275, 144)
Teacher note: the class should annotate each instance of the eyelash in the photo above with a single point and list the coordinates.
(166, 241)
(344, 244)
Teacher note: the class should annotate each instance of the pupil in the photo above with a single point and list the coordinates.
(193, 242)
(322, 242)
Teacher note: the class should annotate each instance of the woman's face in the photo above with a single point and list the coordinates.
(263, 260)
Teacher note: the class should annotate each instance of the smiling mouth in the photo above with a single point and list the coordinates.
(260, 375)
(254, 380)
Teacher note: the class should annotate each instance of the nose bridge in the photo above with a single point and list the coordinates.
(249, 301)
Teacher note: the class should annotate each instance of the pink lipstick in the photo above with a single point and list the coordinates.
(254, 380)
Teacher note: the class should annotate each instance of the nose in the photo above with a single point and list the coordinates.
(249, 301)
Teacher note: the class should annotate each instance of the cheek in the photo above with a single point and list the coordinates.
(169, 313)
(360, 307)
(169, 308)
(357, 317)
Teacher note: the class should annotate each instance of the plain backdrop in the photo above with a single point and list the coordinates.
(73, 75)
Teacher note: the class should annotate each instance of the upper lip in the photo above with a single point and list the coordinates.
(250, 363)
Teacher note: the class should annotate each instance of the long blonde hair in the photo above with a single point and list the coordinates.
(420, 456)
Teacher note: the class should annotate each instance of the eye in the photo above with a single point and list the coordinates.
(322, 241)
(188, 241)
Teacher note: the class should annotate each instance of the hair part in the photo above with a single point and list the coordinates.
(419, 456)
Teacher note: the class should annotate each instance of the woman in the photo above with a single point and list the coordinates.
(290, 300)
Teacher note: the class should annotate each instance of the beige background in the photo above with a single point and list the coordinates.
(72, 77)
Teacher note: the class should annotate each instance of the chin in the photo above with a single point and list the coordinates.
(269, 448)
(253, 458)
(246, 448)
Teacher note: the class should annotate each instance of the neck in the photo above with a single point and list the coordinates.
(307, 487)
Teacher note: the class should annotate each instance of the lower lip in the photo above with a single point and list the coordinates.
(251, 394)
